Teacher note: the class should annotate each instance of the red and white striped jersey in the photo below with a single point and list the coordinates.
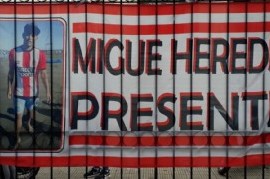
(27, 65)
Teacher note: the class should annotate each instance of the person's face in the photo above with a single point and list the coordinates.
(29, 40)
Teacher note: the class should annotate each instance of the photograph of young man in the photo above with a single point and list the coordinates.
(26, 64)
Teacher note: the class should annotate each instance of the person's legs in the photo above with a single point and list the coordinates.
(29, 107)
(29, 125)
(19, 109)
(6, 171)
(9, 172)
(18, 128)
(12, 170)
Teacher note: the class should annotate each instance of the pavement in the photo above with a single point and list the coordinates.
(162, 173)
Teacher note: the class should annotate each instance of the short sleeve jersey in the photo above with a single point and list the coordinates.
(26, 66)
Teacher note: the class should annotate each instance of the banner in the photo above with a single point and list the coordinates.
(129, 85)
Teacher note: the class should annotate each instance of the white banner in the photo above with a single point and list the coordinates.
(178, 85)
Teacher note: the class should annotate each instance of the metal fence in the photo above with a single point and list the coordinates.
(211, 55)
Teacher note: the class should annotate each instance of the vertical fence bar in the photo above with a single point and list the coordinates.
(139, 87)
(69, 77)
(15, 71)
(156, 90)
(191, 95)
(51, 88)
(139, 90)
(264, 89)
(104, 77)
(88, 132)
(121, 87)
(34, 84)
(245, 110)
(174, 92)
(227, 93)
(209, 89)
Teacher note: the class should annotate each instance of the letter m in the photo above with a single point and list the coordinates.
(90, 57)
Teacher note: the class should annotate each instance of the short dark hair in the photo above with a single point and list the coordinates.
(31, 29)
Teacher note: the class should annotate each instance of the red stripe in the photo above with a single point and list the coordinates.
(26, 80)
(136, 162)
(164, 29)
(145, 9)
(183, 140)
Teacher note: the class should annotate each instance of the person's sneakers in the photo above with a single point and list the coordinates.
(92, 173)
(105, 173)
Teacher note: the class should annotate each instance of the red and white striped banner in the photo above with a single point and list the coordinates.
(165, 85)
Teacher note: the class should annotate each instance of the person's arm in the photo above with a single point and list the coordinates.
(44, 77)
(43, 74)
(10, 75)
(10, 82)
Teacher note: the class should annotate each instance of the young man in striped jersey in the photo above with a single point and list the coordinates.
(26, 64)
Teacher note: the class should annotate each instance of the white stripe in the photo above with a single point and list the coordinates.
(168, 19)
(19, 61)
